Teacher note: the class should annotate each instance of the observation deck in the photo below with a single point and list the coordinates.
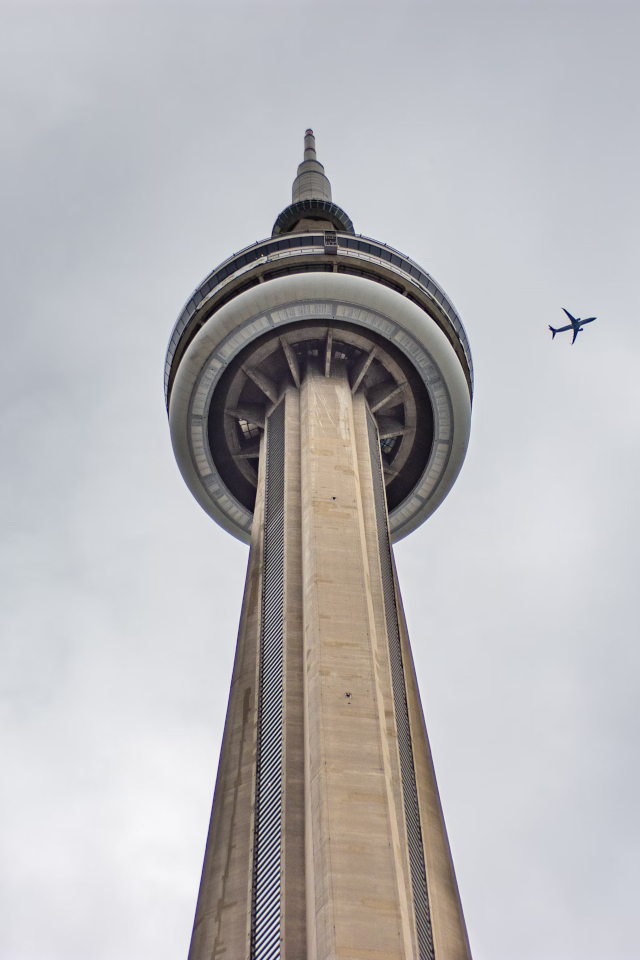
(310, 294)
(307, 253)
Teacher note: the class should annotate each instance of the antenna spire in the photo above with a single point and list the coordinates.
(311, 182)
(309, 145)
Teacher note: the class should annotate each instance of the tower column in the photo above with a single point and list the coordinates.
(357, 892)
(327, 840)
(293, 919)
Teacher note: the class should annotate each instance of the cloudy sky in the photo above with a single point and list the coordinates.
(142, 143)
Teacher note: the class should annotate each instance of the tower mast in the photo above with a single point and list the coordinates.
(319, 392)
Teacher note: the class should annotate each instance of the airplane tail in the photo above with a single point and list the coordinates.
(553, 332)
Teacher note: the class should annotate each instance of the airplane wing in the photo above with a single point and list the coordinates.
(573, 319)
(575, 334)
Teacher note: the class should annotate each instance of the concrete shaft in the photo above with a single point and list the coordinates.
(327, 838)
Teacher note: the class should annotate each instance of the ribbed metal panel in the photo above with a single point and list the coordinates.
(265, 927)
(407, 768)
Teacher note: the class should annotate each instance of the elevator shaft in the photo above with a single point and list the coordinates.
(327, 838)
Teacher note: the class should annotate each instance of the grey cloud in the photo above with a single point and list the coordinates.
(144, 143)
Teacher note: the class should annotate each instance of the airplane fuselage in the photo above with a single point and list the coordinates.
(576, 325)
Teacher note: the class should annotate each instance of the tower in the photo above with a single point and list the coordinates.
(319, 391)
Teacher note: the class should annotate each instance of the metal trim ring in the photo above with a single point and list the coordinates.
(295, 211)
(319, 296)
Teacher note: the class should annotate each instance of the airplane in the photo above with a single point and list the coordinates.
(575, 325)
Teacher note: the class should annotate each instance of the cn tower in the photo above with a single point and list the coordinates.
(319, 389)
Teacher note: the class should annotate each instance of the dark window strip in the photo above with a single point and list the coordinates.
(266, 893)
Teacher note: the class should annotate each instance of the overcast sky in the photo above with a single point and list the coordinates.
(498, 145)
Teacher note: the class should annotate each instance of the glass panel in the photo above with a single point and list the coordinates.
(248, 430)
(388, 444)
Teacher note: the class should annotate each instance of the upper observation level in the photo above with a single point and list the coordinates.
(315, 289)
